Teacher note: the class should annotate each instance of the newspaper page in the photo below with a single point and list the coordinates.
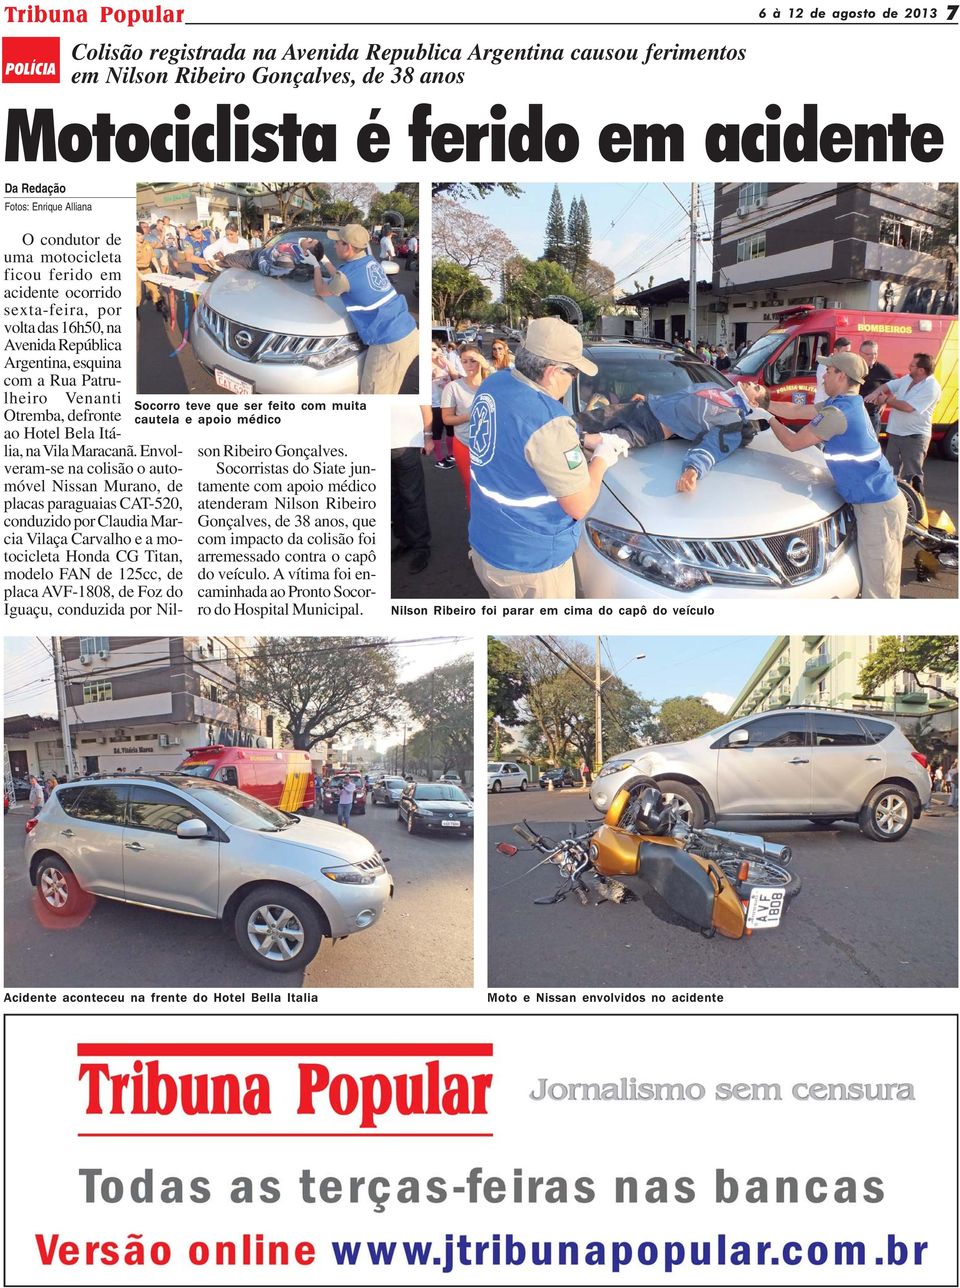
(480, 661)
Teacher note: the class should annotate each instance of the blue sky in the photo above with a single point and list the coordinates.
(638, 228)
(714, 667)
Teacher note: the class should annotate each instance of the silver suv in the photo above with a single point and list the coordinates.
(192, 846)
(799, 762)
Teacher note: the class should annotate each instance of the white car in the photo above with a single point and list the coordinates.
(764, 523)
(502, 774)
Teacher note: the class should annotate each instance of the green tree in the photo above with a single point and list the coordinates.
(441, 702)
(578, 239)
(505, 685)
(457, 292)
(681, 718)
(323, 685)
(527, 283)
(396, 200)
(560, 702)
(913, 654)
(555, 234)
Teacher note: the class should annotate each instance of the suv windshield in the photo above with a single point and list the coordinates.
(625, 370)
(235, 807)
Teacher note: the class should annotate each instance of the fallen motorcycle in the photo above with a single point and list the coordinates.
(726, 883)
(933, 531)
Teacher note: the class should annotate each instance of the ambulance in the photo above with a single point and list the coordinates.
(281, 778)
(784, 359)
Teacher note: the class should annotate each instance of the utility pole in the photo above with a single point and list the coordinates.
(597, 708)
(692, 299)
(61, 688)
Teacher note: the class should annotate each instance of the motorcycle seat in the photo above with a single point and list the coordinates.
(680, 881)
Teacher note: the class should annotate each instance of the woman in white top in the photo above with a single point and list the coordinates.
(455, 405)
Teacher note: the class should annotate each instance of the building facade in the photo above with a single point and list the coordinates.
(142, 701)
(33, 745)
(873, 246)
(824, 670)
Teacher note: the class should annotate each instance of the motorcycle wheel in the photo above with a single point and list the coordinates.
(916, 506)
(763, 875)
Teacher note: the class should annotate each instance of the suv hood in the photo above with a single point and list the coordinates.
(284, 304)
(334, 841)
(759, 490)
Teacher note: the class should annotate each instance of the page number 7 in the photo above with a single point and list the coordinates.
(952, 11)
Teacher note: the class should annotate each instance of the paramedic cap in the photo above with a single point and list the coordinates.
(851, 364)
(559, 343)
(354, 235)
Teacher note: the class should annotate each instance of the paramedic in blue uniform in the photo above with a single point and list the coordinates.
(861, 473)
(379, 313)
(530, 482)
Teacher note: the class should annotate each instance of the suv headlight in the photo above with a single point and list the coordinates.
(615, 766)
(348, 876)
(643, 556)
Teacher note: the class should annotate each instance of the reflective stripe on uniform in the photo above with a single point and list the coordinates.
(368, 308)
(520, 503)
(848, 456)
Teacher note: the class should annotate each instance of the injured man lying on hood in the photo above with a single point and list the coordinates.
(715, 421)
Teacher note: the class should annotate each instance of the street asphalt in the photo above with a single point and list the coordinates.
(424, 940)
(869, 915)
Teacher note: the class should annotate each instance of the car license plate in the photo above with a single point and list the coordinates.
(233, 383)
(449, 822)
(764, 908)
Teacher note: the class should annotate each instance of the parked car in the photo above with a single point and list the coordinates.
(21, 789)
(797, 762)
(188, 845)
(765, 522)
(331, 794)
(560, 778)
(387, 791)
(273, 335)
(435, 807)
(502, 774)
(451, 778)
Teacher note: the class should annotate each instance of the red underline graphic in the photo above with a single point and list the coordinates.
(284, 1048)
(197, 1135)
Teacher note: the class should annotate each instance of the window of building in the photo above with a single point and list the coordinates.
(754, 247)
(213, 692)
(906, 233)
(92, 644)
(751, 195)
(98, 691)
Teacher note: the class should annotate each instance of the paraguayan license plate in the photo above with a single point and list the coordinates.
(449, 822)
(764, 908)
(233, 383)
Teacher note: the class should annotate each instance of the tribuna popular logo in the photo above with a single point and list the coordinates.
(365, 1098)
(31, 60)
